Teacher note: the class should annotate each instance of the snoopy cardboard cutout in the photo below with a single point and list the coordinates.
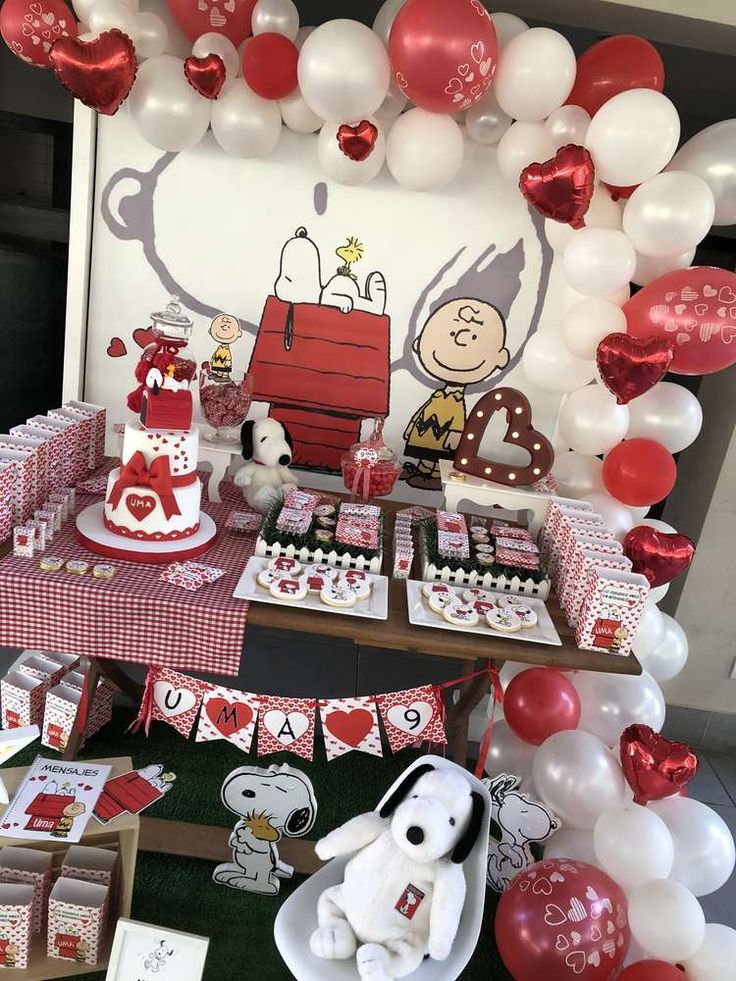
(521, 821)
(271, 803)
(354, 302)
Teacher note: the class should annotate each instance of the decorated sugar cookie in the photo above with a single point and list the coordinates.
(322, 569)
(267, 577)
(355, 575)
(461, 614)
(316, 581)
(526, 615)
(361, 587)
(510, 601)
(289, 588)
(482, 607)
(478, 594)
(439, 602)
(503, 620)
(282, 563)
(338, 594)
(434, 588)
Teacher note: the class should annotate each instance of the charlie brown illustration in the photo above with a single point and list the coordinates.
(225, 329)
(462, 343)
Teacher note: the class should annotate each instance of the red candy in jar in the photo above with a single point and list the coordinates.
(225, 404)
(370, 469)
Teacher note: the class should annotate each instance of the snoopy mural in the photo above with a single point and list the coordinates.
(521, 821)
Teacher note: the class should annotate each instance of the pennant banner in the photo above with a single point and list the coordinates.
(413, 715)
(228, 714)
(350, 724)
(172, 698)
(286, 723)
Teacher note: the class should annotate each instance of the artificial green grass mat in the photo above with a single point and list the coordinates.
(179, 892)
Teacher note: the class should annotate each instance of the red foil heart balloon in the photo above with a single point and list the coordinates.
(206, 75)
(630, 367)
(657, 555)
(99, 73)
(561, 188)
(357, 141)
(653, 766)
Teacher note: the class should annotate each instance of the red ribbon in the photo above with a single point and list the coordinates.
(362, 470)
(145, 712)
(497, 692)
(135, 474)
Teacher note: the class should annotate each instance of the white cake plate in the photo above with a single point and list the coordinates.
(92, 533)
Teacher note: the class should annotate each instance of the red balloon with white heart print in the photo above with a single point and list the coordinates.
(30, 27)
(228, 17)
(561, 919)
(696, 307)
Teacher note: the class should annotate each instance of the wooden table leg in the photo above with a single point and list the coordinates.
(76, 737)
(112, 671)
(458, 718)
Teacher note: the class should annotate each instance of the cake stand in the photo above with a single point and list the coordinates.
(92, 533)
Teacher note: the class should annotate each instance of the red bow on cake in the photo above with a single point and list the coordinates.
(158, 477)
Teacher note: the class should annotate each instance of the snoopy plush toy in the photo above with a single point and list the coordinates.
(404, 888)
(267, 450)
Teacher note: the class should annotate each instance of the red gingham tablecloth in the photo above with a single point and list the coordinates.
(134, 616)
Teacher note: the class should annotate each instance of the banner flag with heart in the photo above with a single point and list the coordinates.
(348, 724)
(286, 723)
(170, 697)
(412, 716)
(228, 714)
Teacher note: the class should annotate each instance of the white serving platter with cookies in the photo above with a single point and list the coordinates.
(420, 613)
(369, 598)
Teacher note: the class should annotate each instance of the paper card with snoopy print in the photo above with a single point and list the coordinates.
(228, 714)
(286, 723)
(412, 716)
(173, 698)
(348, 724)
(519, 822)
(143, 952)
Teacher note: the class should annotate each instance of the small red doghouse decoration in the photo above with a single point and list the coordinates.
(323, 372)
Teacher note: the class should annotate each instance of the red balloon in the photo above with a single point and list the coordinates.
(629, 367)
(614, 65)
(562, 919)
(99, 73)
(561, 188)
(652, 971)
(443, 55)
(620, 193)
(269, 65)
(30, 28)
(657, 555)
(639, 472)
(655, 767)
(197, 17)
(357, 142)
(539, 702)
(695, 306)
(206, 75)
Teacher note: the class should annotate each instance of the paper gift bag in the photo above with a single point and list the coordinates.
(65, 438)
(8, 476)
(92, 865)
(76, 920)
(48, 672)
(22, 700)
(99, 416)
(54, 452)
(16, 901)
(84, 429)
(39, 447)
(31, 867)
(62, 705)
(24, 485)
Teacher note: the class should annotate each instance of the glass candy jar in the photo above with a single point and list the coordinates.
(370, 468)
(225, 403)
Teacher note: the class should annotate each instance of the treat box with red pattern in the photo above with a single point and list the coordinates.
(53, 452)
(301, 500)
(610, 613)
(16, 904)
(39, 448)
(8, 477)
(557, 506)
(65, 437)
(90, 864)
(99, 416)
(24, 541)
(84, 427)
(474, 577)
(62, 704)
(576, 593)
(31, 867)
(6, 519)
(76, 920)
(452, 521)
(48, 672)
(571, 565)
(24, 491)
(22, 700)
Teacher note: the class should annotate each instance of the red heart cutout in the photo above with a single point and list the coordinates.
(350, 727)
(519, 432)
(99, 73)
(41, 778)
(6, 826)
(206, 75)
(653, 766)
(630, 367)
(116, 348)
(658, 555)
(561, 188)
(143, 336)
(228, 717)
(140, 506)
(357, 142)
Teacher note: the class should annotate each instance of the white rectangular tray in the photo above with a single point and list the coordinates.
(373, 608)
(420, 614)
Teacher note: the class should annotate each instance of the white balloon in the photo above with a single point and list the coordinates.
(297, 115)
(385, 18)
(83, 8)
(151, 35)
(522, 144)
(603, 212)
(535, 74)
(586, 323)
(485, 121)
(572, 843)
(590, 420)
(667, 413)
(669, 657)
(659, 525)
(709, 960)
(577, 475)
(507, 27)
(178, 44)
(657, 593)
(599, 261)
(633, 845)
(391, 107)
(616, 515)
(509, 671)
(107, 14)
(343, 71)
(669, 213)
(340, 167)
(578, 777)
(704, 848)
(406, 150)
(549, 365)
(301, 36)
(649, 268)
(508, 753)
(611, 702)
(666, 919)
(633, 136)
(244, 124)
(568, 124)
(275, 17)
(711, 154)
(164, 106)
(638, 513)
(213, 43)
(650, 631)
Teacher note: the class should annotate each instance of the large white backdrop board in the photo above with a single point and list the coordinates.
(211, 229)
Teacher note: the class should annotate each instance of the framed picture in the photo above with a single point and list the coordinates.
(143, 952)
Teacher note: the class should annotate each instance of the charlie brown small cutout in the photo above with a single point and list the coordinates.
(271, 803)
(412, 716)
(226, 330)
(286, 723)
(348, 724)
(228, 714)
